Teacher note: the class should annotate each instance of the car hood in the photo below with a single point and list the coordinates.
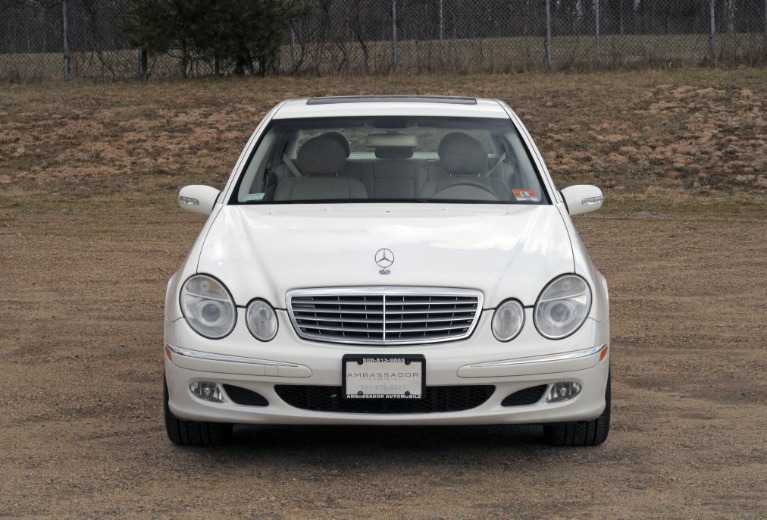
(505, 252)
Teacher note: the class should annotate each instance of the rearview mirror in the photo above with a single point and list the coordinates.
(197, 198)
(582, 198)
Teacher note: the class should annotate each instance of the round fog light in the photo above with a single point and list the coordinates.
(508, 320)
(207, 391)
(261, 320)
(563, 392)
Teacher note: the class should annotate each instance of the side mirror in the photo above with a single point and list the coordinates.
(198, 199)
(582, 198)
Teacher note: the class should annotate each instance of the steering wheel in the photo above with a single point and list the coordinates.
(486, 190)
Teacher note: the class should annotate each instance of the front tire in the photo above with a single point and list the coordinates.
(581, 433)
(193, 433)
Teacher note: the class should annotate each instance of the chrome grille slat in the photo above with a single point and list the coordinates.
(462, 310)
(384, 315)
(337, 311)
(468, 309)
(376, 302)
(430, 320)
(425, 329)
(344, 329)
(425, 303)
(336, 320)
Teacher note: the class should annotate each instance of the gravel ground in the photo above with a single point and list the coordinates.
(82, 433)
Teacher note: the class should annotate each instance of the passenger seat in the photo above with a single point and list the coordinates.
(320, 160)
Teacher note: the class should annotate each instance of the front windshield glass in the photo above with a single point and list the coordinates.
(399, 159)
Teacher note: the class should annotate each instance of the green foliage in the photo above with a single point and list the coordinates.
(236, 36)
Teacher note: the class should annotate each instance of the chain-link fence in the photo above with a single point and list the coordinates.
(53, 39)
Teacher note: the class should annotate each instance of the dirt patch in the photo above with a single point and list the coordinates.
(81, 333)
(89, 236)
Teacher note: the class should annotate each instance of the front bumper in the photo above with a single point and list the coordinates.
(583, 358)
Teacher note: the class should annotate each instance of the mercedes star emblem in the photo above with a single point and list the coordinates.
(384, 258)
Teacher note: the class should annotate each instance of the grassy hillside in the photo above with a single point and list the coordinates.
(694, 138)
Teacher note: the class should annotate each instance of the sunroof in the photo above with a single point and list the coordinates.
(333, 100)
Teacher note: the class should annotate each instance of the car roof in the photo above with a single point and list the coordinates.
(361, 106)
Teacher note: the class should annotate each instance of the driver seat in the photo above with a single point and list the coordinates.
(462, 161)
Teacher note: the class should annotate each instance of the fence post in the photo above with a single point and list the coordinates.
(292, 43)
(393, 34)
(66, 39)
(442, 32)
(598, 47)
(712, 36)
(765, 26)
(547, 43)
(143, 63)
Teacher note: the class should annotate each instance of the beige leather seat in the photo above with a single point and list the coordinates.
(320, 160)
(459, 173)
(396, 174)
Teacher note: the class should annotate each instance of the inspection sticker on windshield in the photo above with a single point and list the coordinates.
(383, 377)
(526, 195)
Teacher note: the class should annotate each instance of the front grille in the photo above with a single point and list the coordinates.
(436, 399)
(525, 397)
(384, 315)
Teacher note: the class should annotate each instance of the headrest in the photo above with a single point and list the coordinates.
(342, 140)
(322, 155)
(461, 154)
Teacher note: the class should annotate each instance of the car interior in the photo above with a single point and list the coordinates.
(390, 160)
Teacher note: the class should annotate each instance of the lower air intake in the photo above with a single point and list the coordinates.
(525, 397)
(436, 399)
(244, 396)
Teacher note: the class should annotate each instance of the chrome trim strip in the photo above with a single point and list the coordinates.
(383, 315)
(384, 291)
(210, 356)
(564, 356)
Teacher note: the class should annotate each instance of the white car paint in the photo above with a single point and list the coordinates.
(504, 251)
(335, 246)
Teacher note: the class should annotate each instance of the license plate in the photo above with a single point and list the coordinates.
(383, 377)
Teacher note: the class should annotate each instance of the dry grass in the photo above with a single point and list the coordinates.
(690, 136)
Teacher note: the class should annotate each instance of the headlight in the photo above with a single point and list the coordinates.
(508, 320)
(562, 306)
(208, 307)
(261, 320)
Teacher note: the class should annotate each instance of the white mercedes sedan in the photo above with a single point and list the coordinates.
(388, 260)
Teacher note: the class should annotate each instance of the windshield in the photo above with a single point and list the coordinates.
(400, 159)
